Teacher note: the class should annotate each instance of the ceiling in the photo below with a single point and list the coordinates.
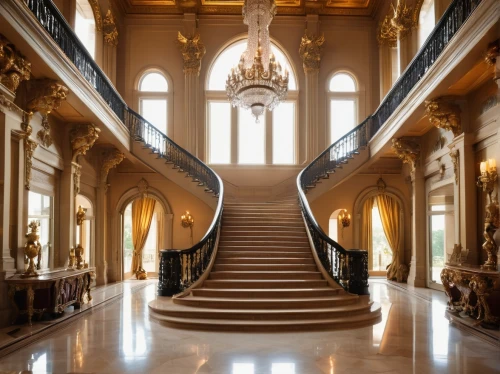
(285, 7)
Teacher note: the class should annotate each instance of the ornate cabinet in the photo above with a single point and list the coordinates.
(50, 292)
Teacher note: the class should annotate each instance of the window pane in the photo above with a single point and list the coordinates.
(342, 118)
(150, 248)
(85, 25)
(40, 209)
(283, 133)
(128, 246)
(251, 138)
(155, 111)
(153, 82)
(220, 132)
(438, 242)
(426, 21)
(342, 83)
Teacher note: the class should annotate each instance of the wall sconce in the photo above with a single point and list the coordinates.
(344, 219)
(187, 220)
(487, 181)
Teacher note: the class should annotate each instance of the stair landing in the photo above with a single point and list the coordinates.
(265, 279)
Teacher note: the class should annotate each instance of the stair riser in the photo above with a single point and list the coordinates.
(271, 216)
(251, 234)
(264, 284)
(250, 225)
(259, 304)
(268, 261)
(264, 294)
(258, 243)
(236, 275)
(289, 316)
(269, 249)
(264, 267)
(221, 254)
(267, 230)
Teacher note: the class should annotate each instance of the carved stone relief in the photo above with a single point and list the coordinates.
(408, 150)
(143, 187)
(29, 148)
(444, 114)
(109, 29)
(192, 50)
(310, 51)
(14, 68)
(111, 159)
(83, 137)
(455, 159)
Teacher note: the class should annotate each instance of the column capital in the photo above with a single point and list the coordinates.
(310, 51)
(444, 114)
(109, 29)
(192, 50)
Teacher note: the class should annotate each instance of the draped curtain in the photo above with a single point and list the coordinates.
(142, 214)
(390, 216)
(366, 229)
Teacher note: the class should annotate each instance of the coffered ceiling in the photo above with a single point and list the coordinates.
(285, 7)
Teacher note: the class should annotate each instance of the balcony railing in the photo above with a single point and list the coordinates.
(350, 267)
(178, 268)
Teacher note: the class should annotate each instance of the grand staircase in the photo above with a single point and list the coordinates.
(265, 278)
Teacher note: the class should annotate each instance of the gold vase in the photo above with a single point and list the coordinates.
(79, 256)
(32, 248)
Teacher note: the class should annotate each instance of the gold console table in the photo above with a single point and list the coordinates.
(474, 292)
(49, 292)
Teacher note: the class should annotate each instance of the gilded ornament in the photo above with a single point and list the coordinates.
(143, 187)
(32, 248)
(310, 51)
(387, 33)
(192, 50)
(45, 95)
(44, 134)
(444, 114)
(381, 186)
(5, 102)
(96, 9)
(109, 29)
(83, 137)
(77, 173)
(111, 159)
(492, 53)
(455, 160)
(79, 257)
(29, 148)
(402, 19)
(14, 68)
(80, 215)
(407, 150)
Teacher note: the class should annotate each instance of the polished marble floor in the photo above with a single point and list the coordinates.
(413, 337)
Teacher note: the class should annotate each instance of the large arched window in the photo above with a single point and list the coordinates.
(342, 105)
(85, 25)
(233, 135)
(426, 21)
(154, 99)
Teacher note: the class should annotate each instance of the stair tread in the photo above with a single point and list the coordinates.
(269, 290)
(269, 299)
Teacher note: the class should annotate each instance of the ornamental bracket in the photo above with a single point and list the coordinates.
(192, 50)
(310, 51)
(444, 114)
(408, 150)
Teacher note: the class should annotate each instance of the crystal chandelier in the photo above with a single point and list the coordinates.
(257, 83)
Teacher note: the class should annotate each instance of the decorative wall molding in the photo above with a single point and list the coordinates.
(83, 137)
(444, 114)
(455, 160)
(5, 102)
(310, 51)
(14, 67)
(77, 173)
(143, 187)
(192, 50)
(96, 9)
(110, 30)
(29, 148)
(111, 159)
(408, 150)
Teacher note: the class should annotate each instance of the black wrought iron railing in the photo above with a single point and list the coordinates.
(178, 268)
(350, 267)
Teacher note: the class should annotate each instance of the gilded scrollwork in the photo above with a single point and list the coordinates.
(408, 150)
(83, 137)
(387, 34)
(45, 95)
(402, 21)
(492, 53)
(109, 29)
(77, 173)
(455, 160)
(192, 50)
(14, 68)
(96, 9)
(112, 158)
(29, 149)
(444, 114)
(310, 51)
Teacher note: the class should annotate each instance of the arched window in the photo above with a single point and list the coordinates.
(154, 99)
(233, 135)
(85, 25)
(426, 21)
(342, 105)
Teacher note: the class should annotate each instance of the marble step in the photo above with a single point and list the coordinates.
(261, 284)
(294, 209)
(279, 325)
(265, 214)
(225, 233)
(262, 254)
(272, 224)
(262, 275)
(264, 267)
(266, 260)
(266, 239)
(262, 303)
(265, 293)
(264, 243)
(255, 248)
(289, 230)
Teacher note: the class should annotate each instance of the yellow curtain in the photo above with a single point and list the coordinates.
(142, 214)
(366, 229)
(160, 234)
(390, 216)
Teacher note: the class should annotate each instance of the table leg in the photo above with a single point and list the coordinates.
(30, 296)
(12, 293)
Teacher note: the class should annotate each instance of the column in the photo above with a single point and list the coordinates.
(192, 50)
(310, 52)
(110, 34)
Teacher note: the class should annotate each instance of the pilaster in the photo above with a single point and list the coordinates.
(110, 37)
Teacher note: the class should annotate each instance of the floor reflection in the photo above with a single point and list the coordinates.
(413, 337)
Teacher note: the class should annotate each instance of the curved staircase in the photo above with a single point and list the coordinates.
(265, 278)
